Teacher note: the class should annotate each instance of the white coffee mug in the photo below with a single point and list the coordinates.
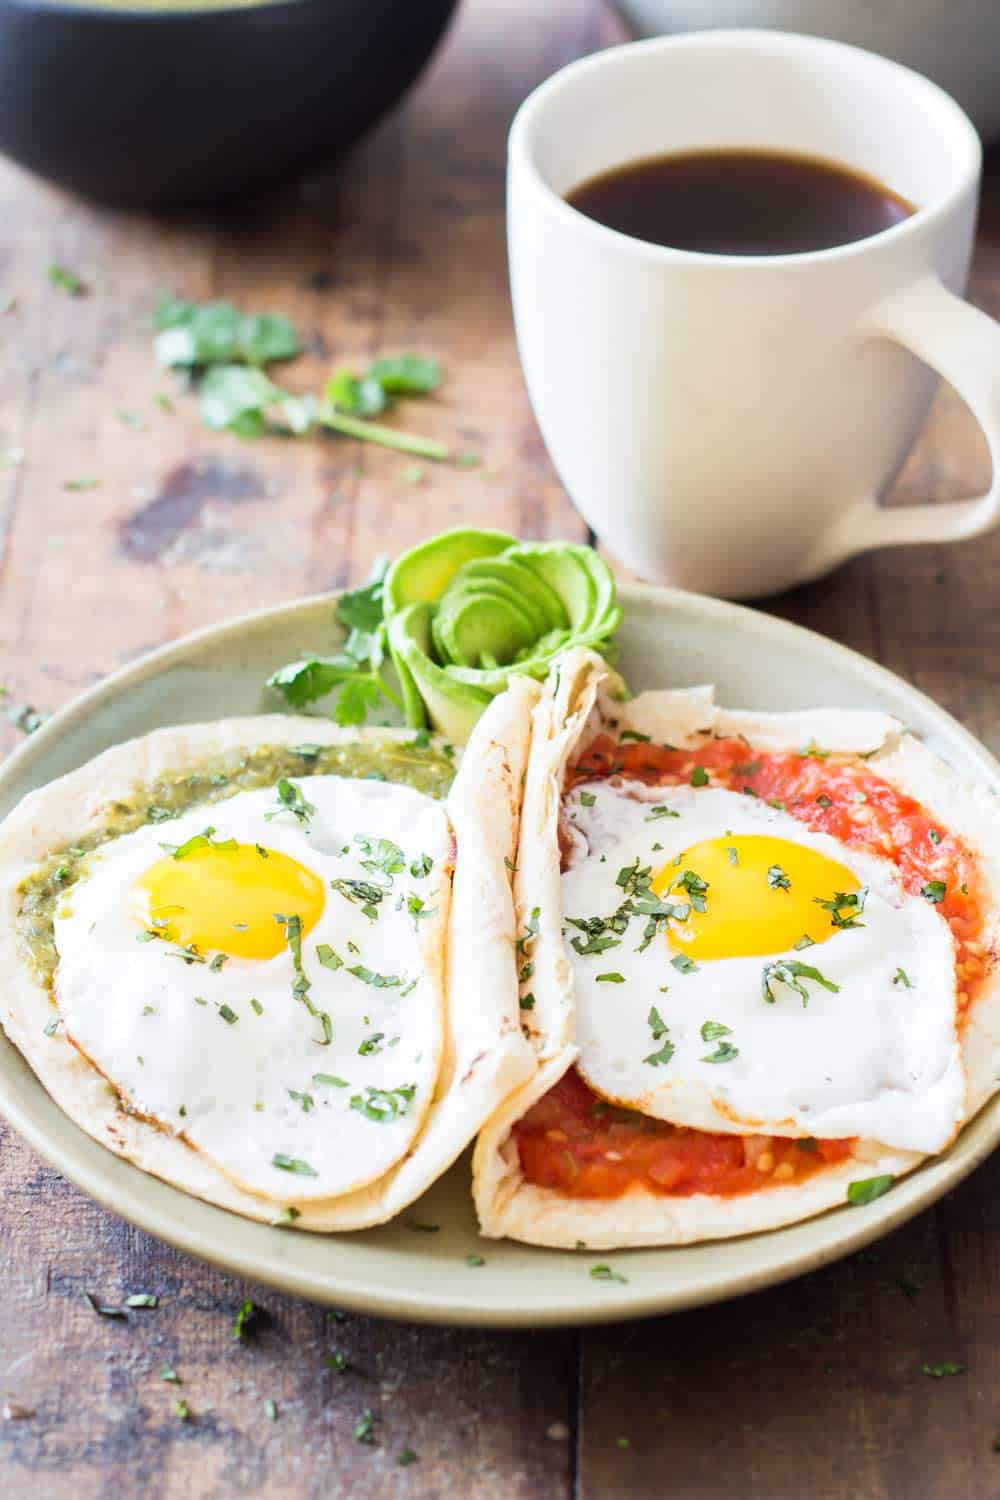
(728, 423)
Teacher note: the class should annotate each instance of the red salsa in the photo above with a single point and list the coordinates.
(575, 1142)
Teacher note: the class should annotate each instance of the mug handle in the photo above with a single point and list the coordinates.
(963, 345)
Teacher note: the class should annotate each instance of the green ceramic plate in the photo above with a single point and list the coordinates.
(668, 638)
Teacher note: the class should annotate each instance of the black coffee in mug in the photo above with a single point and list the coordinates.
(736, 202)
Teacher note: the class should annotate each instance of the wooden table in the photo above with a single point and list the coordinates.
(813, 1389)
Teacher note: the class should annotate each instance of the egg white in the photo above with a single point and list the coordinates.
(877, 1059)
(131, 1007)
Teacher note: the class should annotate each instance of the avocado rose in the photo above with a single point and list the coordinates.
(468, 609)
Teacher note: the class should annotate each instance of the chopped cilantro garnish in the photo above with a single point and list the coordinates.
(824, 801)
(934, 890)
(901, 977)
(327, 957)
(384, 1105)
(291, 799)
(633, 734)
(293, 1164)
(793, 973)
(845, 908)
(182, 1411)
(938, 1372)
(198, 841)
(611, 978)
(383, 857)
(656, 1024)
(421, 867)
(362, 893)
(407, 1457)
(305, 1101)
(683, 964)
(331, 1080)
(605, 1273)
(660, 811)
(228, 1014)
(284, 1217)
(66, 280)
(527, 1002)
(270, 1410)
(378, 981)
(699, 776)
(588, 799)
(712, 1030)
(663, 1056)
(934, 836)
(472, 1259)
(256, 1007)
(805, 941)
(530, 930)
(724, 1052)
(867, 1189)
(777, 879)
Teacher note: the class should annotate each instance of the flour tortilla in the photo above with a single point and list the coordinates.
(581, 700)
(485, 1054)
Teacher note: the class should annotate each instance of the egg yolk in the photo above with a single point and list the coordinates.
(761, 895)
(226, 900)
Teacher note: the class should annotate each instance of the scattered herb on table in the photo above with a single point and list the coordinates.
(227, 353)
(938, 1372)
(246, 1320)
(364, 1427)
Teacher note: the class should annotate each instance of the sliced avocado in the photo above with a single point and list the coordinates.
(545, 604)
(566, 574)
(606, 612)
(452, 706)
(492, 579)
(469, 628)
(425, 572)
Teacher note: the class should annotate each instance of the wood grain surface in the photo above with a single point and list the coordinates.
(813, 1389)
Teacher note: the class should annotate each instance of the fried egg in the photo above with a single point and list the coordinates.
(264, 978)
(735, 971)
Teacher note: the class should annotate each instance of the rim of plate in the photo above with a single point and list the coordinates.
(276, 1266)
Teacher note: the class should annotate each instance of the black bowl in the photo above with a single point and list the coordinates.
(155, 108)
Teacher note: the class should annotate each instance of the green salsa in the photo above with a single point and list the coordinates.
(424, 768)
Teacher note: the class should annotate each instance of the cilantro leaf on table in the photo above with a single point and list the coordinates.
(406, 374)
(211, 333)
